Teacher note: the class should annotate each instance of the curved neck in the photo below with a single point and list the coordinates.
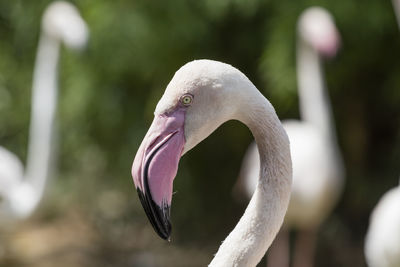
(248, 242)
(44, 101)
(313, 102)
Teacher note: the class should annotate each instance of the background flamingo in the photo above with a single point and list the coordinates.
(21, 192)
(201, 96)
(317, 164)
(382, 243)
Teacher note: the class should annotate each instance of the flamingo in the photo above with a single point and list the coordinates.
(20, 193)
(382, 243)
(318, 172)
(201, 96)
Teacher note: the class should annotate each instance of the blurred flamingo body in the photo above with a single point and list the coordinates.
(202, 95)
(317, 166)
(20, 190)
(382, 243)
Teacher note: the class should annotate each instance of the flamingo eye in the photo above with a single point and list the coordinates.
(186, 100)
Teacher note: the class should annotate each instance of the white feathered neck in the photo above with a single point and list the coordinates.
(248, 242)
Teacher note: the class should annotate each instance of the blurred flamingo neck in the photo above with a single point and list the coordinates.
(254, 233)
(313, 101)
(43, 109)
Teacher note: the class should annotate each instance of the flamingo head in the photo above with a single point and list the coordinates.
(194, 104)
(316, 27)
(62, 21)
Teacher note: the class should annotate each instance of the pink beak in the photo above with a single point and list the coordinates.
(155, 167)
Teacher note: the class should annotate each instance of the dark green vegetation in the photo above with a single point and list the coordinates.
(108, 93)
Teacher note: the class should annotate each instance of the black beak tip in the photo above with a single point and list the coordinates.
(166, 232)
(159, 217)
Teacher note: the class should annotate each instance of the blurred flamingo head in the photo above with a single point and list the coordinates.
(317, 28)
(62, 21)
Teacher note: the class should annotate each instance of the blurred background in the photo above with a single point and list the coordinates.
(90, 214)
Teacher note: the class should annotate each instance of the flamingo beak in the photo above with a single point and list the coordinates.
(155, 167)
